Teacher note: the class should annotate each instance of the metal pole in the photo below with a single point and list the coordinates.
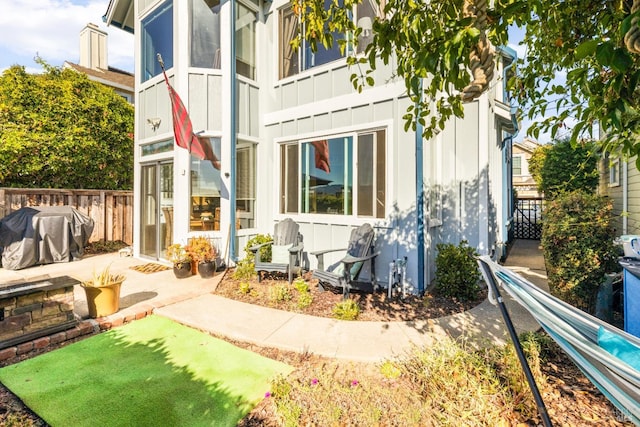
(542, 409)
(232, 131)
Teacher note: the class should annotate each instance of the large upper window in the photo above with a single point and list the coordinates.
(157, 37)
(339, 176)
(245, 41)
(292, 62)
(206, 186)
(205, 33)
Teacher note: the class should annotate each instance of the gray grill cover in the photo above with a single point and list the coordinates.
(43, 235)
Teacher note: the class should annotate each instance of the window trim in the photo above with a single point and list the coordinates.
(614, 164)
(351, 50)
(353, 132)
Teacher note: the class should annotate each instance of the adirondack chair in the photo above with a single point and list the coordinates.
(346, 273)
(286, 251)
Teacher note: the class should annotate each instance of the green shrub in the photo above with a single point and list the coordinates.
(244, 287)
(301, 285)
(457, 274)
(304, 300)
(244, 270)
(346, 309)
(561, 167)
(265, 251)
(577, 242)
(279, 294)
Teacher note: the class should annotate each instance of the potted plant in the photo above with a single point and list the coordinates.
(203, 255)
(181, 260)
(103, 292)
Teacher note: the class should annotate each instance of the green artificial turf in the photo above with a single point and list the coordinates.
(150, 372)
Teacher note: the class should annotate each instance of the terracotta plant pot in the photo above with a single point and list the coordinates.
(182, 270)
(104, 300)
(207, 269)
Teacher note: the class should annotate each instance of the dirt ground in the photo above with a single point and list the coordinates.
(574, 401)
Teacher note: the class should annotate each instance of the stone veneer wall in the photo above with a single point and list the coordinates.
(35, 309)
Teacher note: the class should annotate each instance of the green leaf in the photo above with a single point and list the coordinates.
(586, 49)
(621, 60)
(604, 53)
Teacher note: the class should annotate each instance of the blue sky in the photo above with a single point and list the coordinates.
(51, 29)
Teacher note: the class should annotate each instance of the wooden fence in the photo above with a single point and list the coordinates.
(111, 211)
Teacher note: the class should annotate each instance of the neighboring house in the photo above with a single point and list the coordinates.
(93, 63)
(308, 146)
(620, 181)
(523, 182)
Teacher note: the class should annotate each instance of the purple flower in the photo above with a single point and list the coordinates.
(354, 383)
(314, 381)
(267, 394)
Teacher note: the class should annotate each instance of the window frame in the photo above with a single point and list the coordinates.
(301, 58)
(520, 157)
(614, 172)
(168, 59)
(354, 216)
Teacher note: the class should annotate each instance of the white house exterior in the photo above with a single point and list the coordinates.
(288, 106)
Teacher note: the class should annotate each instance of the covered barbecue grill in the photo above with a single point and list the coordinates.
(43, 235)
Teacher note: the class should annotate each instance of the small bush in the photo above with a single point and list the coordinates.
(279, 294)
(301, 285)
(244, 270)
(265, 251)
(346, 309)
(244, 287)
(457, 274)
(304, 300)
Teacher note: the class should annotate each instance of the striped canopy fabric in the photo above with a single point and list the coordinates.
(608, 356)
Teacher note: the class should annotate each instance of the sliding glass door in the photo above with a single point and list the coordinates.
(156, 210)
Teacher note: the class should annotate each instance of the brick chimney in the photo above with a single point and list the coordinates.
(93, 47)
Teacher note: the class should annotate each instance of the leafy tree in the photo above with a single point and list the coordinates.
(59, 129)
(559, 168)
(443, 51)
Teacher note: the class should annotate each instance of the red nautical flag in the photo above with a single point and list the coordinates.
(322, 155)
(183, 129)
(205, 151)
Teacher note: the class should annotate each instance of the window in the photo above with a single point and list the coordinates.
(614, 172)
(245, 41)
(205, 33)
(206, 184)
(292, 62)
(366, 13)
(319, 176)
(157, 37)
(157, 147)
(517, 165)
(246, 185)
(289, 178)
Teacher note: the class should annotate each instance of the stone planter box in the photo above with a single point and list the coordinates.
(30, 310)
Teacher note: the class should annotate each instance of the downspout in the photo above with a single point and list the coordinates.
(232, 134)
(420, 195)
(507, 197)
